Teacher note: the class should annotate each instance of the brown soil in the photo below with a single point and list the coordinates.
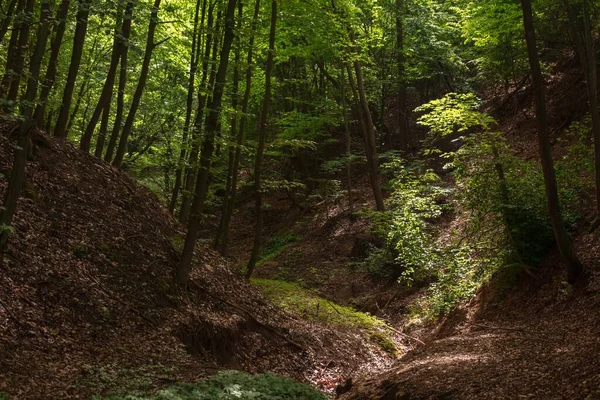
(88, 302)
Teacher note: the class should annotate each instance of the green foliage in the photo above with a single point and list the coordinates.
(304, 303)
(406, 226)
(232, 385)
(575, 170)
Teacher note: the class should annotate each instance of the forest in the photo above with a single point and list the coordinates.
(299, 199)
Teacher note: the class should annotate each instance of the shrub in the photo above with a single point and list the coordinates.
(233, 385)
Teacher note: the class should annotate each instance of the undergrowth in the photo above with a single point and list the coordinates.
(498, 199)
(304, 303)
(232, 385)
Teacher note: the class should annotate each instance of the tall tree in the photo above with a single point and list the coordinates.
(194, 59)
(26, 124)
(262, 133)
(103, 105)
(114, 136)
(206, 83)
(16, 54)
(403, 127)
(230, 203)
(565, 246)
(202, 180)
(52, 69)
(60, 130)
(581, 29)
(137, 96)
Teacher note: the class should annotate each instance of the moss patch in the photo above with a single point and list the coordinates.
(306, 304)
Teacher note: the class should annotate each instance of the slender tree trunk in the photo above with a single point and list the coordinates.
(17, 176)
(6, 21)
(565, 246)
(52, 69)
(114, 136)
(262, 133)
(137, 97)
(234, 127)
(592, 89)
(202, 181)
(16, 54)
(348, 145)
(103, 106)
(368, 132)
(205, 85)
(403, 133)
(188, 106)
(60, 130)
(12, 54)
(240, 134)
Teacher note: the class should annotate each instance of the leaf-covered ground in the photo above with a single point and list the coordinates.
(88, 304)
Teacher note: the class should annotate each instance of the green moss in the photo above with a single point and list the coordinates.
(304, 303)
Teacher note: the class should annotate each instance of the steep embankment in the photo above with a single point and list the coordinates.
(533, 337)
(88, 304)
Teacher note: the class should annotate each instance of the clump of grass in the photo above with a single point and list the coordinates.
(304, 303)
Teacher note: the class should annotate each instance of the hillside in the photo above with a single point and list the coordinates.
(88, 294)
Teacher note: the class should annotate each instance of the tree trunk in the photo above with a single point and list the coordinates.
(262, 133)
(103, 106)
(52, 69)
(16, 54)
(114, 136)
(403, 128)
(205, 85)
(348, 145)
(234, 127)
(17, 176)
(189, 104)
(574, 266)
(240, 134)
(12, 54)
(60, 130)
(202, 183)
(7, 19)
(137, 97)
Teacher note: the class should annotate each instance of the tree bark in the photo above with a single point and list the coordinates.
(60, 130)
(17, 176)
(103, 105)
(262, 133)
(114, 136)
(403, 128)
(137, 97)
(189, 104)
(15, 55)
(52, 69)
(233, 134)
(565, 246)
(348, 145)
(202, 181)
(240, 134)
(205, 85)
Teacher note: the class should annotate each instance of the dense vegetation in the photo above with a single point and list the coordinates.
(210, 103)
